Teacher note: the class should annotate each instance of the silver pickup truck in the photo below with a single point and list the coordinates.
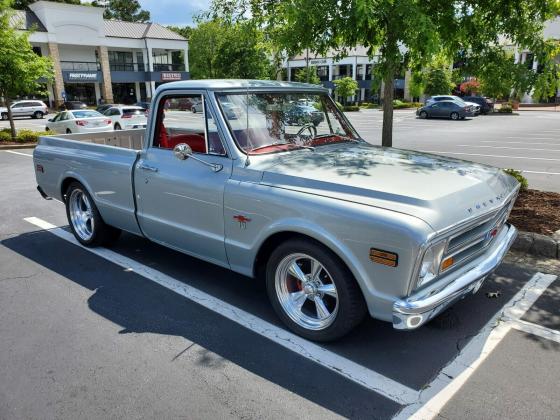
(270, 180)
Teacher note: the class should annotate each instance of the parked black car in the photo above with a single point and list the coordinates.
(72, 105)
(301, 113)
(486, 105)
(446, 109)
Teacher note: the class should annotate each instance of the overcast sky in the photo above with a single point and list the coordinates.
(174, 12)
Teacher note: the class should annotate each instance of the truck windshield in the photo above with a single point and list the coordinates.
(275, 122)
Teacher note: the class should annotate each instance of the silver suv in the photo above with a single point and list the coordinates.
(29, 108)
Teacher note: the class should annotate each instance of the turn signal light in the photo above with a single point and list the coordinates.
(383, 257)
(448, 262)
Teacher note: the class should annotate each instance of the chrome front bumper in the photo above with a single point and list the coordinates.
(416, 310)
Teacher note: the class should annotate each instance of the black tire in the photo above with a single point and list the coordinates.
(423, 115)
(454, 116)
(4, 116)
(47, 129)
(351, 304)
(38, 115)
(103, 234)
(193, 109)
(117, 127)
(68, 131)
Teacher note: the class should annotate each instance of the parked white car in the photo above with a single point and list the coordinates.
(79, 121)
(125, 117)
(437, 98)
(30, 108)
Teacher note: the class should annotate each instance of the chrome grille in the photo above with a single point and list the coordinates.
(469, 243)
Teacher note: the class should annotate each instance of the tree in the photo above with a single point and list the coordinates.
(127, 10)
(20, 67)
(438, 81)
(222, 49)
(308, 75)
(345, 87)
(417, 84)
(22, 4)
(403, 33)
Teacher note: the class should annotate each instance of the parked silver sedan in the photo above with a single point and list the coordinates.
(445, 109)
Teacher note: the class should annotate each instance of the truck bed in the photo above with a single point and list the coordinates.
(102, 162)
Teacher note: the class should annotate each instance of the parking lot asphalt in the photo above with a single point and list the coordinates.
(529, 142)
(143, 331)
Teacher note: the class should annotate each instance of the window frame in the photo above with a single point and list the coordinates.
(159, 109)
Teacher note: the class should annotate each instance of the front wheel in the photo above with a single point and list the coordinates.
(312, 291)
(423, 115)
(454, 116)
(85, 221)
(4, 116)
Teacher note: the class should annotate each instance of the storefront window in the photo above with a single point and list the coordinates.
(121, 61)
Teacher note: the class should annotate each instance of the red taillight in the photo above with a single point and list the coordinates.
(108, 122)
(81, 122)
(126, 116)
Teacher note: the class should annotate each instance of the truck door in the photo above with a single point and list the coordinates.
(180, 202)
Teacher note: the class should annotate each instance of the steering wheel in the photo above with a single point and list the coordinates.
(303, 139)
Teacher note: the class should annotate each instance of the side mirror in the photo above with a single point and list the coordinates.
(182, 151)
(49, 120)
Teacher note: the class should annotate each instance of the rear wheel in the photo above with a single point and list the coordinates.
(312, 291)
(85, 221)
(38, 114)
(193, 109)
(454, 116)
(4, 116)
(117, 126)
(68, 131)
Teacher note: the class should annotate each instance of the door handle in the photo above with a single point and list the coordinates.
(147, 167)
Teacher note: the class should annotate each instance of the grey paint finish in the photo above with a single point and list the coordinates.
(350, 197)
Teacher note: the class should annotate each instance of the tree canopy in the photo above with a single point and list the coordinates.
(222, 49)
(403, 33)
(308, 75)
(20, 68)
(345, 87)
(127, 10)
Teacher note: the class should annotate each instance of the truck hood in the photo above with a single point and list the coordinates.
(441, 191)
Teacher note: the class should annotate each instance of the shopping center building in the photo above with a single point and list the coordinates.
(102, 60)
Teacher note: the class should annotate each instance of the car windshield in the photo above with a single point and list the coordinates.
(86, 114)
(271, 122)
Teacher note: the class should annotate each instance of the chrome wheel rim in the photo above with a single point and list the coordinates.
(81, 214)
(306, 291)
(454, 116)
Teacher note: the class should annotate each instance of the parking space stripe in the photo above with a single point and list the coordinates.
(510, 148)
(534, 329)
(451, 378)
(518, 142)
(361, 375)
(18, 153)
(479, 154)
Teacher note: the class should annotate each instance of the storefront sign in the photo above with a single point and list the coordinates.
(82, 76)
(168, 76)
(315, 62)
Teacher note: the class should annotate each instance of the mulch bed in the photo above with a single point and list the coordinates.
(536, 211)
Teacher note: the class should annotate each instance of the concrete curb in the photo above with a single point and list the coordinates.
(17, 146)
(539, 245)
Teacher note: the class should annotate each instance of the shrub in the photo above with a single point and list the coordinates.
(29, 136)
(398, 104)
(506, 108)
(351, 108)
(5, 136)
(517, 175)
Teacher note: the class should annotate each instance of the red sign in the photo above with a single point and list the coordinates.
(168, 76)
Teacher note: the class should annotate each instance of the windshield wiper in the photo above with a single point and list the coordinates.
(281, 143)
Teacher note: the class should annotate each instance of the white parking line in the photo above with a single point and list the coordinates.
(359, 374)
(509, 148)
(498, 156)
(451, 378)
(534, 329)
(517, 142)
(539, 172)
(18, 153)
(529, 138)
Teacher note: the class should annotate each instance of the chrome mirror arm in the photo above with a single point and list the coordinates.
(183, 151)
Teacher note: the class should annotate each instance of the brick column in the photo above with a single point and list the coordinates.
(107, 89)
(58, 86)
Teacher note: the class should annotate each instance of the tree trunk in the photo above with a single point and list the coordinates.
(11, 118)
(388, 94)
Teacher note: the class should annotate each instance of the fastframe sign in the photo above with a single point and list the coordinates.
(168, 76)
(83, 76)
